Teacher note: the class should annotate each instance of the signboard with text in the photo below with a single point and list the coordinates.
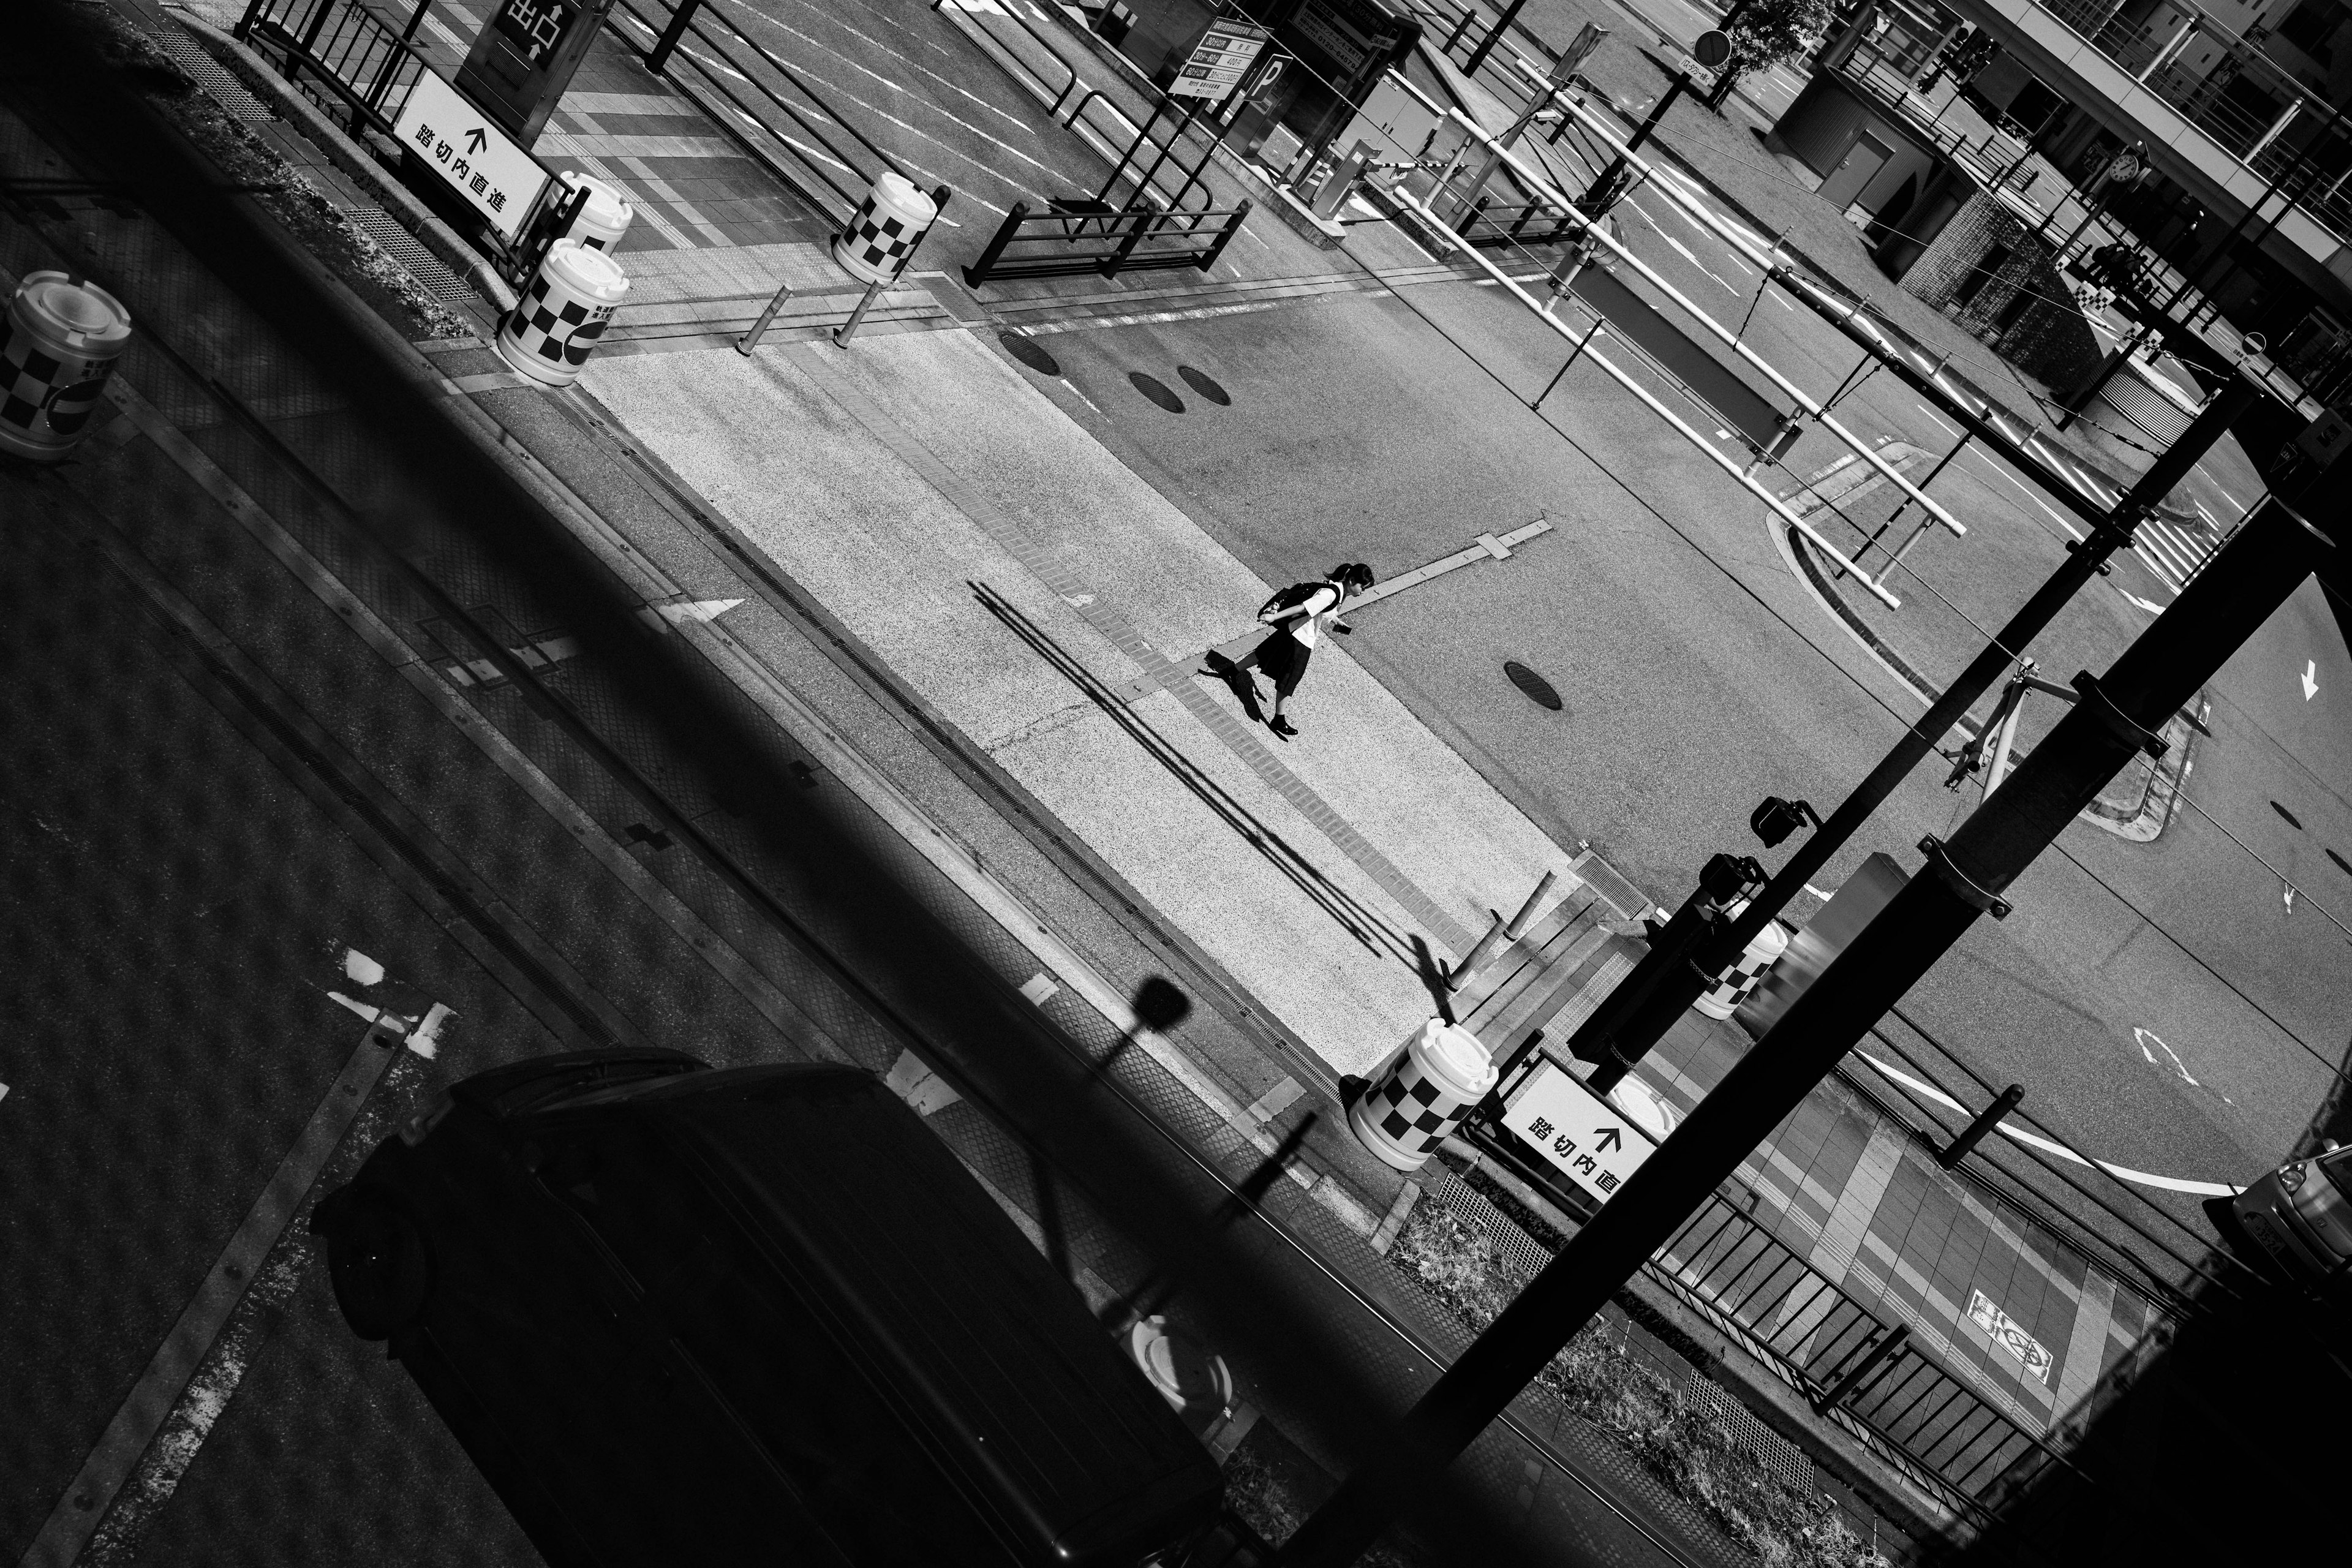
(1584, 1137)
(1218, 61)
(536, 26)
(469, 150)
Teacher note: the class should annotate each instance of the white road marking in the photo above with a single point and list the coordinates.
(704, 610)
(2310, 678)
(2144, 1036)
(2167, 1183)
(2136, 601)
(359, 967)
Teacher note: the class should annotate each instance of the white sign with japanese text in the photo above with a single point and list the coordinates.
(1218, 61)
(466, 148)
(1585, 1137)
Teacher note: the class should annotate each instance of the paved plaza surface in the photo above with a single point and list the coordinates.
(953, 583)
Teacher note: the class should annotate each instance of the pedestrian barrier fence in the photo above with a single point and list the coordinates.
(344, 56)
(1871, 1378)
(1157, 149)
(1068, 243)
(758, 100)
(1491, 225)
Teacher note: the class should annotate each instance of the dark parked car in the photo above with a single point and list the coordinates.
(760, 1315)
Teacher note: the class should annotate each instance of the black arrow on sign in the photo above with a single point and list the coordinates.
(476, 139)
(1608, 1138)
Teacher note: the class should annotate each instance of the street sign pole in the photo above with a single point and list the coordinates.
(2120, 715)
(1666, 981)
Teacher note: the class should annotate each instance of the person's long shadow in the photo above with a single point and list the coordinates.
(1238, 680)
(1367, 925)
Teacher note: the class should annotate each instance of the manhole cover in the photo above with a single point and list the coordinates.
(1538, 688)
(1158, 391)
(1026, 351)
(2292, 820)
(1204, 387)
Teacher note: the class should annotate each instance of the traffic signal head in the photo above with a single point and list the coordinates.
(1725, 878)
(1777, 818)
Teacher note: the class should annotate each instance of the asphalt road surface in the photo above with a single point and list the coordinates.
(1700, 677)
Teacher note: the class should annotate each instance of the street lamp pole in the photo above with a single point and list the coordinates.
(2120, 715)
(1659, 988)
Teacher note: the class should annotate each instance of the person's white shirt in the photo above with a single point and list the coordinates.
(1321, 606)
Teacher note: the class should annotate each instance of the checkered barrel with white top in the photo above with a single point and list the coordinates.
(58, 345)
(1436, 1080)
(1739, 982)
(550, 333)
(604, 217)
(885, 229)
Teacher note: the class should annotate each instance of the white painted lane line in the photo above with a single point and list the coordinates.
(2167, 1183)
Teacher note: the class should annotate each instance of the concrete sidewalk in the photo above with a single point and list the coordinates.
(1017, 575)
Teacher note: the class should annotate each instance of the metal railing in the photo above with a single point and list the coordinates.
(344, 56)
(758, 100)
(1874, 1380)
(2226, 101)
(1490, 225)
(1139, 240)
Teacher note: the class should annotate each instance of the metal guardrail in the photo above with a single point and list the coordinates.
(1501, 225)
(343, 55)
(1870, 1378)
(1137, 239)
(795, 135)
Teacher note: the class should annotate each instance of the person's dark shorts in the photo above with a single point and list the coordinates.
(1284, 659)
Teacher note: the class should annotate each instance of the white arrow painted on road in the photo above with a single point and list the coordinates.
(2310, 678)
(2142, 604)
(2169, 1183)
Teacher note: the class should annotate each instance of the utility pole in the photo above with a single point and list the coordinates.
(2119, 715)
(1656, 992)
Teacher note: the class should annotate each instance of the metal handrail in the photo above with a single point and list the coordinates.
(1539, 183)
(1055, 108)
(1160, 101)
(362, 60)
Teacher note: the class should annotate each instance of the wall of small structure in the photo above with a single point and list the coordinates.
(1994, 279)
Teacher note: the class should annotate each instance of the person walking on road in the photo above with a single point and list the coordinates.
(1297, 615)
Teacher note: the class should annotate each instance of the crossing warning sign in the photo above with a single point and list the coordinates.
(1588, 1140)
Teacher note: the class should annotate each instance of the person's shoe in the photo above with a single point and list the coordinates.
(1281, 726)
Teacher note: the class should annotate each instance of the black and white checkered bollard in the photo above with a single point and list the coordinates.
(58, 343)
(880, 239)
(1737, 984)
(1436, 1080)
(550, 334)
